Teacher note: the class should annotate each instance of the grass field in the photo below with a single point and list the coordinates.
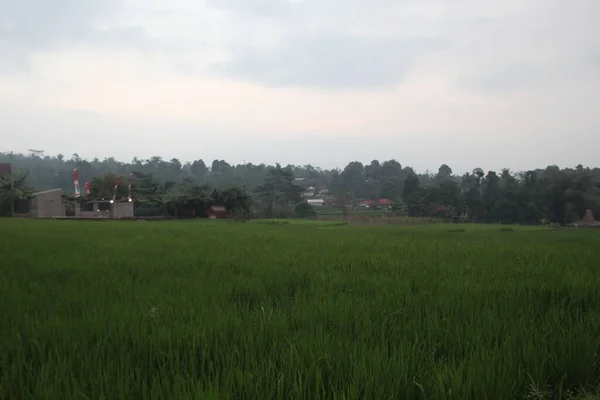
(218, 310)
(325, 210)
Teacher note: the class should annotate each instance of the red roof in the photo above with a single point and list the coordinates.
(380, 202)
(217, 212)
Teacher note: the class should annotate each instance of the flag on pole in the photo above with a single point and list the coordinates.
(116, 187)
(129, 187)
(76, 182)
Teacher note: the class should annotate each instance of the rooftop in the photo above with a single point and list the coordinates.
(46, 191)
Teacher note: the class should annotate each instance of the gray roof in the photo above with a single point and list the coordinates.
(46, 191)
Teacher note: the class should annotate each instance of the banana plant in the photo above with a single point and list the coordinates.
(13, 191)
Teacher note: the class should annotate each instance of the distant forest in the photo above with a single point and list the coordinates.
(537, 196)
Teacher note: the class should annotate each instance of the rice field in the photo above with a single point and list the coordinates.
(219, 310)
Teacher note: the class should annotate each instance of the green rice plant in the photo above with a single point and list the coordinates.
(215, 310)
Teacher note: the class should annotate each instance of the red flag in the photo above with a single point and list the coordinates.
(76, 182)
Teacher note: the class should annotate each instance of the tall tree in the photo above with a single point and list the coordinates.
(13, 192)
(547, 194)
(278, 190)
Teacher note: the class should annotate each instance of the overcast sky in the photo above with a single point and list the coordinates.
(470, 83)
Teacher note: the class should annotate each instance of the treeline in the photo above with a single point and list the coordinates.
(530, 197)
(47, 172)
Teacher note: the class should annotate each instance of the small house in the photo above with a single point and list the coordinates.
(588, 221)
(47, 204)
(315, 202)
(375, 203)
(385, 202)
(309, 192)
(217, 212)
(103, 208)
(367, 203)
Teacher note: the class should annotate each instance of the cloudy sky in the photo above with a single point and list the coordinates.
(470, 83)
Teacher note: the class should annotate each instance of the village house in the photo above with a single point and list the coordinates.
(309, 192)
(588, 221)
(47, 204)
(375, 203)
(315, 202)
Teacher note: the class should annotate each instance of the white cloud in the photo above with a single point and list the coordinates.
(423, 80)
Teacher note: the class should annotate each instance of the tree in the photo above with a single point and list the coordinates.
(391, 170)
(551, 194)
(352, 180)
(474, 200)
(391, 190)
(13, 192)
(491, 195)
(199, 171)
(416, 204)
(340, 190)
(372, 171)
(278, 190)
(450, 196)
(444, 174)
(305, 210)
(105, 186)
(411, 185)
(237, 202)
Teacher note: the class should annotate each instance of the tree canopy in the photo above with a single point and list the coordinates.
(546, 194)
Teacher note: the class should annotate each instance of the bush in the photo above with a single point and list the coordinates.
(305, 210)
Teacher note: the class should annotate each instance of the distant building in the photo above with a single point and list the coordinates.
(315, 202)
(47, 204)
(588, 221)
(103, 208)
(217, 212)
(375, 203)
(309, 192)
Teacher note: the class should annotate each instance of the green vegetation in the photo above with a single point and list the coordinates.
(219, 310)
(14, 193)
(327, 211)
(184, 190)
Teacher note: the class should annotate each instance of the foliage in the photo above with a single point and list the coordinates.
(189, 310)
(550, 194)
(104, 186)
(278, 192)
(191, 201)
(16, 191)
(305, 210)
